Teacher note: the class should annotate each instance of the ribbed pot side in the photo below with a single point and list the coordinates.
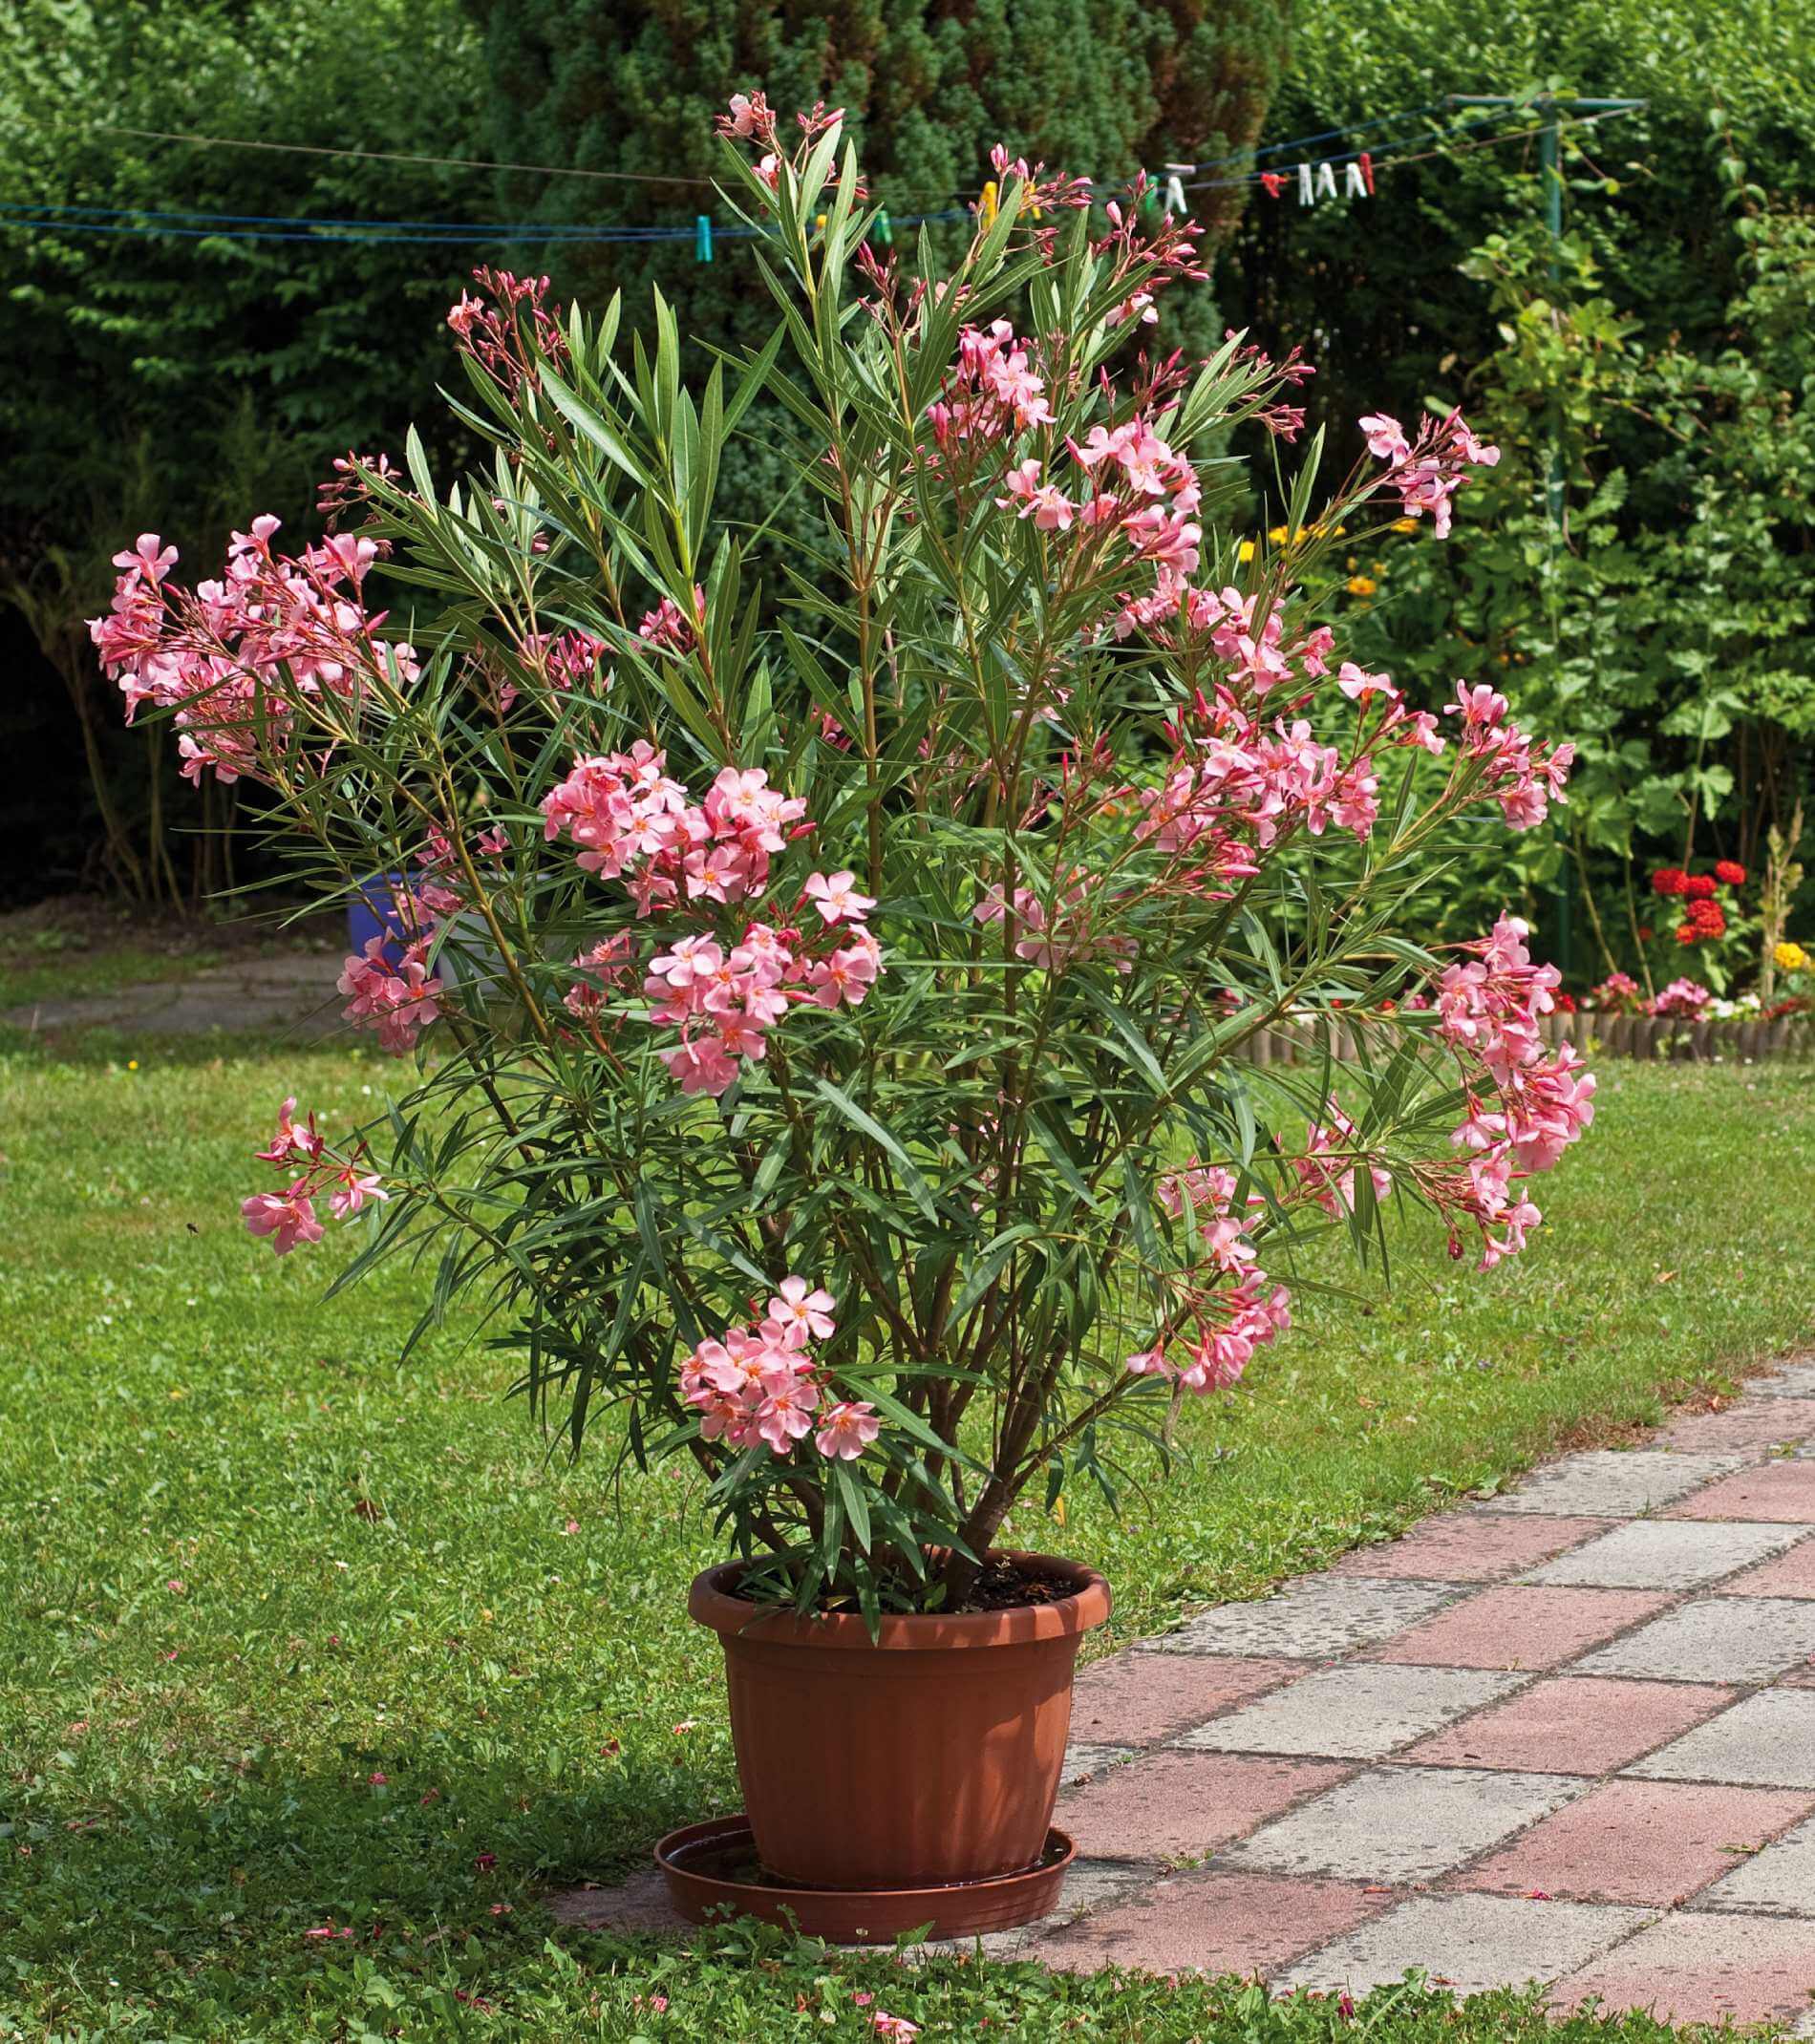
(928, 1754)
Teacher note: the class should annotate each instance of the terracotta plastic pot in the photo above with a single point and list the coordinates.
(930, 1754)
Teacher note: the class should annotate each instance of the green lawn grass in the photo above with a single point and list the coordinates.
(295, 1636)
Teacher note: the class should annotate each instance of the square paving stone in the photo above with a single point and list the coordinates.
(1796, 1381)
(1699, 1968)
(1472, 1942)
(1400, 1824)
(1519, 1626)
(1783, 1491)
(1471, 1547)
(1574, 1725)
(1132, 1699)
(1173, 1804)
(1752, 1423)
(1639, 1841)
(1778, 1881)
(1791, 1575)
(1665, 1554)
(1220, 1923)
(1312, 1620)
(1357, 1712)
(1766, 1741)
(1713, 1639)
(1605, 1483)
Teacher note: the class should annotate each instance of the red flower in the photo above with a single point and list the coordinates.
(1729, 872)
(1708, 918)
(1669, 880)
(1566, 1004)
(1699, 887)
(1688, 934)
(1644, 933)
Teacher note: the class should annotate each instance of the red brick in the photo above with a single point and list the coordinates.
(1220, 1923)
(1178, 1804)
(1639, 1842)
(1701, 1969)
(1520, 1624)
(1756, 1423)
(1133, 1699)
(1471, 1547)
(1779, 1491)
(1789, 1575)
(1573, 1725)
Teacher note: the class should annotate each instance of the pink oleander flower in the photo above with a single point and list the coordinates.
(799, 1307)
(288, 1218)
(354, 1189)
(845, 1431)
(1387, 438)
(836, 897)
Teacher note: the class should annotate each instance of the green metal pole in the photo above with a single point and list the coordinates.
(1550, 175)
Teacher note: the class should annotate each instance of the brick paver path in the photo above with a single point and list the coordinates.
(1564, 1735)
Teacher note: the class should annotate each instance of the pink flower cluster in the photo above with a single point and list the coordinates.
(1427, 470)
(764, 1383)
(213, 656)
(633, 823)
(506, 335)
(304, 1157)
(398, 1003)
(637, 825)
(1685, 997)
(725, 1003)
(1524, 1109)
(1521, 776)
(667, 628)
(993, 393)
(1227, 1296)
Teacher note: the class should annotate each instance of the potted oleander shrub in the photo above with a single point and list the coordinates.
(839, 998)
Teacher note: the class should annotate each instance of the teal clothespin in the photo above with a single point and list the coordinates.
(702, 237)
(883, 231)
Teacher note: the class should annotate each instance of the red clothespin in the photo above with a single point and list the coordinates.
(1367, 171)
(1274, 180)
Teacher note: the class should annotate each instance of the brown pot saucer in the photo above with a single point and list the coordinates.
(715, 1862)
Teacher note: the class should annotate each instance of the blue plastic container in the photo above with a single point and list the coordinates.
(376, 915)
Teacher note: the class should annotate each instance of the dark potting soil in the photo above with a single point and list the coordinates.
(1000, 1586)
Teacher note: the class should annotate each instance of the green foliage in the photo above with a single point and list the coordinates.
(1663, 620)
(177, 382)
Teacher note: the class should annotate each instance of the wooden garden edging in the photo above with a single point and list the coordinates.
(1671, 1038)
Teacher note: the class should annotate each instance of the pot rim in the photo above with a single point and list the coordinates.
(711, 1602)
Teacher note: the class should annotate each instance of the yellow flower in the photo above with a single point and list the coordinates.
(1361, 586)
(132, 1064)
(1245, 551)
(1279, 534)
(1405, 525)
(1790, 957)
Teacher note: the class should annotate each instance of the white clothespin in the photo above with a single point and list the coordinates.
(1326, 180)
(1174, 177)
(1305, 191)
(1354, 184)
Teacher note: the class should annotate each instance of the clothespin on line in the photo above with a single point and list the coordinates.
(1174, 177)
(702, 237)
(987, 205)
